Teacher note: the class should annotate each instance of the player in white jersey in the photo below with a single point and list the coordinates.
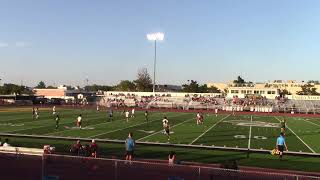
(53, 110)
(216, 111)
(166, 127)
(165, 121)
(198, 118)
(132, 112)
(127, 114)
(79, 121)
(98, 108)
(37, 113)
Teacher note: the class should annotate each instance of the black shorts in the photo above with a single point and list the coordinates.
(280, 148)
(129, 153)
(167, 131)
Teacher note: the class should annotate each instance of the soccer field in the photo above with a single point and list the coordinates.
(243, 131)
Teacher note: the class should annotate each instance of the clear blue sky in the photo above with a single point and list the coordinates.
(65, 41)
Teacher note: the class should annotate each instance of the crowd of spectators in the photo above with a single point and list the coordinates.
(248, 101)
(205, 100)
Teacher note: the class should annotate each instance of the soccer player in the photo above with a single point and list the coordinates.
(281, 144)
(283, 126)
(146, 116)
(198, 117)
(167, 130)
(110, 114)
(53, 110)
(37, 113)
(216, 112)
(130, 144)
(201, 118)
(127, 114)
(79, 120)
(132, 113)
(164, 121)
(57, 121)
(33, 113)
(98, 108)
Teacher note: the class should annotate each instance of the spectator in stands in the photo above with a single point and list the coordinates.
(93, 148)
(281, 144)
(6, 143)
(76, 148)
(130, 145)
(172, 158)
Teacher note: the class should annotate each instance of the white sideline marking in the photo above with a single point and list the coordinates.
(209, 129)
(162, 129)
(312, 123)
(298, 137)
(126, 128)
(249, 141)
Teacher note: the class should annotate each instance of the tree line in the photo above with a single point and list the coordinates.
(143, 83)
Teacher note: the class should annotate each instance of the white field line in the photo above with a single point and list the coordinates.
(209, 129)
(45, 126)
(44, 116)
(76, 128)
(37, 121)
(298, 137)
(162, 130)
(125, 128)
(250, 130)
(312, 123)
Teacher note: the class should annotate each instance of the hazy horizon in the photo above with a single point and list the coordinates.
(66, 42)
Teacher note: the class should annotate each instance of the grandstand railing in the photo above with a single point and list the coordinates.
(251, 150)
(70, 167)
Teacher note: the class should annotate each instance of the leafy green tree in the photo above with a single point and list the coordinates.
(96, 87)
(213, 89)
(239, 80)
(126, 85)
(143, 81)
(41, 85)
(191, 86)
(284, 92)
(51, 87)
(14, 89)
(308, 89)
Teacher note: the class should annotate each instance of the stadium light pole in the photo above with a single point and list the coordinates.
(155, 37)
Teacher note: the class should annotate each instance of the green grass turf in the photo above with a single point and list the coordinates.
(223, 130)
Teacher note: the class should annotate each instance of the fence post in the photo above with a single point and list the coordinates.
(199, 173)
(42, 168)
(116, 170)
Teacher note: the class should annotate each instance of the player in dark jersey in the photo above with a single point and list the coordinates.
(167, 130)
(33, 113)
(146, 116)
(57, 119)
(110, 114)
